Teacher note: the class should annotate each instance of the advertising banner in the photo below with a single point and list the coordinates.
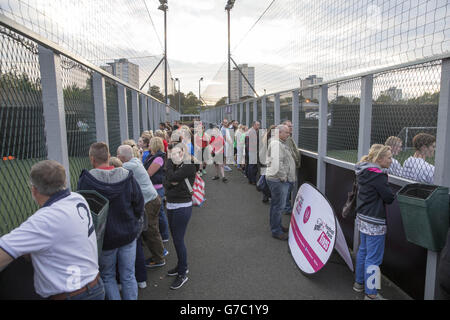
(314, 231)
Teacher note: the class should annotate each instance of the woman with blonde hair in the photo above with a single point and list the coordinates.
(373, 195)
(161, 134)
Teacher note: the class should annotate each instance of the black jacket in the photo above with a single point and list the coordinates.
(373, 193)
(179, 192)
(158, 177)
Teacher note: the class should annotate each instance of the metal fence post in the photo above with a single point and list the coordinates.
(264, 112)
(276, 109)
(322, 143)
(255, 110)
(136, 119)
(295, 116)
(241, 111)
(101, 120)
(53, 105)
(442, 169)
(365, 130)
(365, 115)
(123, 114)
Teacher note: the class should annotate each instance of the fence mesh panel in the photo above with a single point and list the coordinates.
(130, 114)
(250, 112)
(405, 106)
(22, 137)
(112, 112)
(80, 116)
(270, 111)
(259, 109)
(308, 131)
(285, 107)
(343, 120)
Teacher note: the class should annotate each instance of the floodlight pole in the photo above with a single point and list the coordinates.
(228, 8)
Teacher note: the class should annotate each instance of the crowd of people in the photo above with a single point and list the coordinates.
(149, 188)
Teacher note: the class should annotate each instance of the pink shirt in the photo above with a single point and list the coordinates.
(160, 162)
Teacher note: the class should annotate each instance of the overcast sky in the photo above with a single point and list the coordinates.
(295, 38)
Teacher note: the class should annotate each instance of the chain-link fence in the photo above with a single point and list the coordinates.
(343, 120)
(285, 107)
(79, 114)
(404, 117)
(270, 111)
(112, 110)
(22, 137)
(308, 128)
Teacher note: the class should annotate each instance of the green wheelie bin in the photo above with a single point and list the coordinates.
(99, 206)
(424, 209)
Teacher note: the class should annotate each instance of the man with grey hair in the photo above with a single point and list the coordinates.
(60, 238)
(280, 174)
(152, 201)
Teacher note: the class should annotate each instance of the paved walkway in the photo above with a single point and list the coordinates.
(231, 255)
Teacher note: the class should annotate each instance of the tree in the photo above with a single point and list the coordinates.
(155, 92)
(221, 102)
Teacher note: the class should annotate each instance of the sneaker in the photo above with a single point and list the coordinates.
(215, 178)
(142, 285)
(178, 282)
(166, 252)
(227, 168)
(173, 272)
(153, 264)
(358, 287)
(204, 171)
(224, 179)
(377, 297)
(284, 236)
(165, 240)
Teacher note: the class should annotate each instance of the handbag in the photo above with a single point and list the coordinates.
(349, 208)
(198, 191)
(262, 183)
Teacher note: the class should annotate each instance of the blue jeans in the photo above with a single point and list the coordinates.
(163, 223)
(288, 207)
(278, 191)
(125, 257)
(178, 221)
(95, 293)
(370, 253)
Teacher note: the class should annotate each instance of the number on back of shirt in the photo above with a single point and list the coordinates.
(88, 215)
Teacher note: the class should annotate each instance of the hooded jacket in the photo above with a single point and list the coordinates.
(175, 187)
(373, 193)
(126, 203)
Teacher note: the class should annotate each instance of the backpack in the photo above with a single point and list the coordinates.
(349, 208)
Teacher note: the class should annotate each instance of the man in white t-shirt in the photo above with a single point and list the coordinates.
(60, 238)
(416, 167)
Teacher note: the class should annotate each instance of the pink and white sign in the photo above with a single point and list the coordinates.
(313, 231)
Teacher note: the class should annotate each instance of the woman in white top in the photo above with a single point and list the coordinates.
(416, 167)
(396, 145)
(240, 145)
